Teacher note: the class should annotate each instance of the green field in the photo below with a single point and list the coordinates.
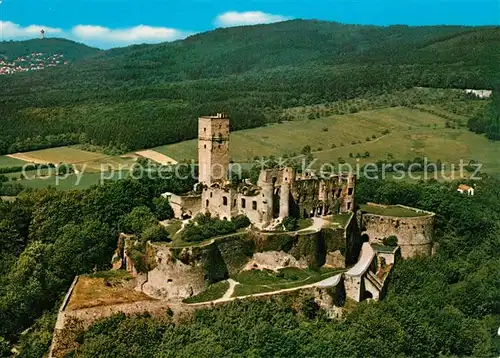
(391, 210)
(259, 281)
(89, 164)
(60, 155)
(10, 162)
(412, 133)
(397, 133)
(320, 134)
(213, 292)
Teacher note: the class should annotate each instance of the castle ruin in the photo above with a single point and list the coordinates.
(278, 193)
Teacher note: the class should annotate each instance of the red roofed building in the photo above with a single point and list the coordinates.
(465, 189)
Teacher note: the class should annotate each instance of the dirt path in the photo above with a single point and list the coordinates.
(317, 224)
(330, 281)
(229, 292)
(157, 157)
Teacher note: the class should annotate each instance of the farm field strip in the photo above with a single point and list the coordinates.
(58, 155)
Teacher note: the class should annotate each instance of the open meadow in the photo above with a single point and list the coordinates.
(322, 133)
(57, 155)
(399, 133)
(396, 133)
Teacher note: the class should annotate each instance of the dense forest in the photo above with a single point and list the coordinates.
(48, 236)
(148, 95)
(444, 305)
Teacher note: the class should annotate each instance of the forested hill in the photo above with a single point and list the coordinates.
(147, 95)
(70, 49)
(229, 51)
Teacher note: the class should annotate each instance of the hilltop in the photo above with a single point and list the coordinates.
(149, 95)
(233, 51)
(38, 54)
(50, 46)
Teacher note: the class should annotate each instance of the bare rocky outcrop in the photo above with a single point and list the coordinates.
(335, 259)
(173, 278)
(274, 260)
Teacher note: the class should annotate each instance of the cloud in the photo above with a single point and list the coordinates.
(93, 35)
(234, 18)
(126, 36)
(11, 31)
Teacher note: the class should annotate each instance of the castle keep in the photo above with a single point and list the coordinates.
(278, 193)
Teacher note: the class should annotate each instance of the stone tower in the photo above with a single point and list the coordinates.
(213, 148)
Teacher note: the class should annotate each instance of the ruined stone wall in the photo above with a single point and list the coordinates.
(182, 205)
(71, 324)
(315, 249)
(354, 278)
(246, 205)
(184, 272)
(219, 202)
(322, 196)
(352, 236)
(415, 234)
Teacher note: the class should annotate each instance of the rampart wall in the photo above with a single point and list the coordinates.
(415, 234)
(183, 272)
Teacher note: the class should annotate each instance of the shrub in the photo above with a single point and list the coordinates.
(306, 149)
(4, 348)
(309, 307)
(138, 220)
(390, 241)
(325, 129)
(205, 227)
(155, 233)
(241, 221)
(290, 223)
(162, 209)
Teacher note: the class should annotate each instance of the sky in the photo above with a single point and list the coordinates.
(116, 23)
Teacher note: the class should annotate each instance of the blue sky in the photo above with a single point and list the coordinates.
(109, 23)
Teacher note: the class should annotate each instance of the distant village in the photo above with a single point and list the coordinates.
(33, 62)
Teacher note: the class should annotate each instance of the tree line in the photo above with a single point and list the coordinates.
(487, 122)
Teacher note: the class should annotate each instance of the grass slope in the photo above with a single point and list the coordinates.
(10, 162)
(60, 155)
(213, 292)
(413, 133)
(291, 137)
(391, 210)
(259, 281)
